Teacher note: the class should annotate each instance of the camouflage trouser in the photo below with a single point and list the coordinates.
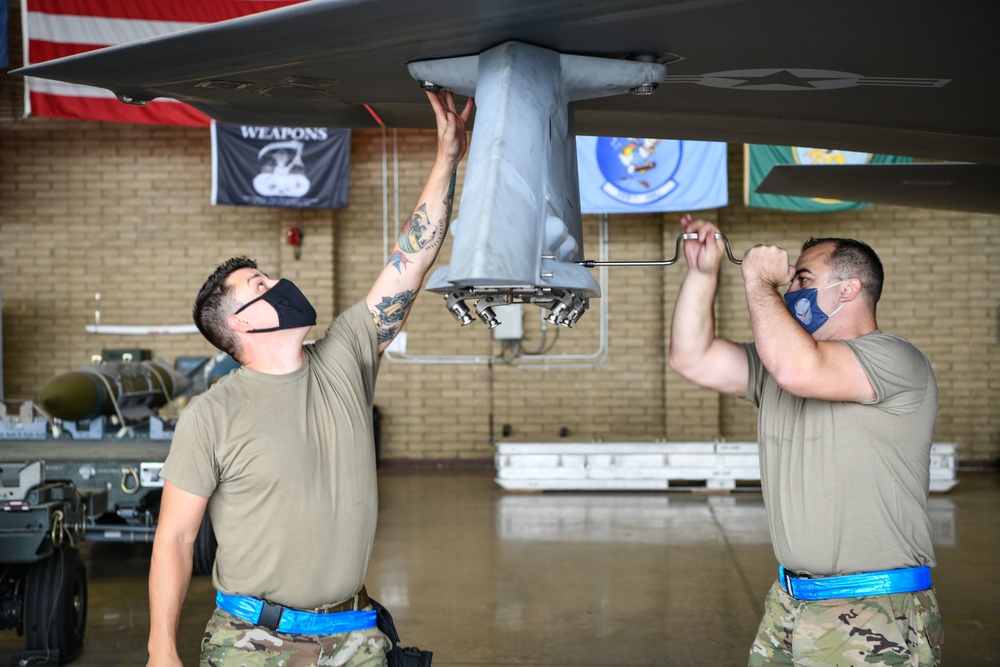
(897, 629)
(230, 642)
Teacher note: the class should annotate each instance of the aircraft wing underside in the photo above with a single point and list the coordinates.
(895, 76)
(903, 77)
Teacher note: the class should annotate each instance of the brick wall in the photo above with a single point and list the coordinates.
(124, 211)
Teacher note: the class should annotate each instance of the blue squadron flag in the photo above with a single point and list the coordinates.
(640, 175)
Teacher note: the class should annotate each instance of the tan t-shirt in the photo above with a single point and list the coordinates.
(845, 484)
(288, 462)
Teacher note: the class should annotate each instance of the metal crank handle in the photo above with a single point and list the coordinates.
(590, 263)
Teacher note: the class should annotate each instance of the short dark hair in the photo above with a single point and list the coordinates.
(214, 304)
(854, 259)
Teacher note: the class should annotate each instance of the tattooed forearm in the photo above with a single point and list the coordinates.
(448, 201)
(388, 314)
(418, 233)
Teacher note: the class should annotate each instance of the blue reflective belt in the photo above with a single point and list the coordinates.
(293, 621)
(860, 585)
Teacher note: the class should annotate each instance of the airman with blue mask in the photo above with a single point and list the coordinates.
(803, 304)
(845, 420)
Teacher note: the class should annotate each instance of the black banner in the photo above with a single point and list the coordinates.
(290, 167)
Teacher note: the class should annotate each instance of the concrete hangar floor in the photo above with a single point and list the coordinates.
(483, 577)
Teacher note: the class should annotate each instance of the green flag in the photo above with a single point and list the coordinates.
(758, 160)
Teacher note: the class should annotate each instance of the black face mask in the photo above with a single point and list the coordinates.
(292, 306)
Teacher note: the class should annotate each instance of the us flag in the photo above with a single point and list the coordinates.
(59, 28)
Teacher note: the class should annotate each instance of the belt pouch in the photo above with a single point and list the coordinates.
(409, 656)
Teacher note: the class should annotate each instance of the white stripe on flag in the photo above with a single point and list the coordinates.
(94, 31)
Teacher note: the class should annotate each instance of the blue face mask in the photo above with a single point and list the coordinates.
(292, 306)
(802, 304)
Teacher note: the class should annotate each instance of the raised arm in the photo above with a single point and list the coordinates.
(695, 351)
(421, 238)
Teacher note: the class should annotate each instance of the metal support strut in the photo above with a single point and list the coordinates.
(590, 263)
